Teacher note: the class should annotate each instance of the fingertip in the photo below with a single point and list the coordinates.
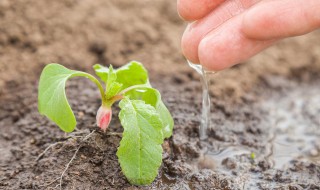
(184, 11)
(255, 22)
(227, 46)
(191, 10)
(210, 54)
(280, 19)
(189, 46)
(247, 23)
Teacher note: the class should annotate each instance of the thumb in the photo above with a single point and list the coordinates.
(279, 19)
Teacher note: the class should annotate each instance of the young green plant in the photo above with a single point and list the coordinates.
(144, 117)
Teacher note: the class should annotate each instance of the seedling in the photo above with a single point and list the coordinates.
(253, 155)
(143, 115)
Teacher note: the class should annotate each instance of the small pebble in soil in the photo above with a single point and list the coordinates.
(295, 187)
(192, 150)
(229, 163)
(80, 114)
(206, 163)
(264, 165)
(314, 152)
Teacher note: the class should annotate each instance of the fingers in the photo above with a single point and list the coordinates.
(280, 19)
(227, 46)
(197, 30)
(196, 9)
(231, 33)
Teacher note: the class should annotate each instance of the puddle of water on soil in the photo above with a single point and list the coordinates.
(294, 132)
(295, 127)
(294, 135)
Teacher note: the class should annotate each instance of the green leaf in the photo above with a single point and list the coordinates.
(112, 87)
(166, 119)
(52, 100)
(148, 94)
(140, 151)
(128, 75)
(102, 72)
(131, 74)
(152, 97)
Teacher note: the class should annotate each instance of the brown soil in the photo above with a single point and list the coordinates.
(268, 106)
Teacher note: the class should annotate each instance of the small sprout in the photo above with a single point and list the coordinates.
(253, 156)
(143, 115)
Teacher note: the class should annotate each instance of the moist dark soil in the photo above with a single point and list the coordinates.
(265, 126)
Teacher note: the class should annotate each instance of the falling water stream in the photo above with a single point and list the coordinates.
(205, 115)
(210, 157)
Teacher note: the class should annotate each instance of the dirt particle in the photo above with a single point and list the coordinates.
(192, 150)
(264, 165)
(295, 187)
(314, 152)
(229, 163)
(206, 163)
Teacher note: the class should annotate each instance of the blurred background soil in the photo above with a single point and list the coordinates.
(80, 33)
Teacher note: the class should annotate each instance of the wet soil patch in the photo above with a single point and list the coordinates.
(280, 127)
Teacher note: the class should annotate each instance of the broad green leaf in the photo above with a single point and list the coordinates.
(52, 100)
(140, 151)
(166, 119)
(128, 75)
(131, 74)
(112, 87)
(148, 94)
(102, 72)
(153, 97)
(112, 76)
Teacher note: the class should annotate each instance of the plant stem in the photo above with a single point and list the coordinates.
(93, 79)
(112, 100)
(133, 87)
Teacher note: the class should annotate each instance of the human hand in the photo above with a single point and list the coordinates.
(227, 32)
